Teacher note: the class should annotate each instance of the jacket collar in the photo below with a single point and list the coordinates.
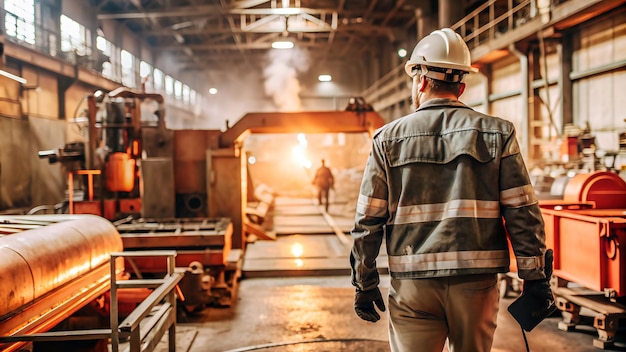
(441, 102)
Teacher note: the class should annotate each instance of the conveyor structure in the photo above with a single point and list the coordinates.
(203, 245)
(51, 266)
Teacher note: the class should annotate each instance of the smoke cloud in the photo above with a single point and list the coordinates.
(281, 77)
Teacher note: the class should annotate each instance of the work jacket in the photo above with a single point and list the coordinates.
(443, 186)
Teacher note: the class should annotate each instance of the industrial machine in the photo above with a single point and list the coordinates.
(108, 168)
(586, 228)
(125, 173)
(64, 288)
(183, 190)
(52, 266)
(202, 245)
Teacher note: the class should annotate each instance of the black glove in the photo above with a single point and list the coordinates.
(364, 304)
(541, 288)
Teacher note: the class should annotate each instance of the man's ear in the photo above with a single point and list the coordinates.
(461, 89)
(424, 83)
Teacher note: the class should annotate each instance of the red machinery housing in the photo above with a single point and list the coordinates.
(586, 230)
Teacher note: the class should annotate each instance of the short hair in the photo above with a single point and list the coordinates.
(437, 86)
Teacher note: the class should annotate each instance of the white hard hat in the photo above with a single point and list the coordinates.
(441, 55)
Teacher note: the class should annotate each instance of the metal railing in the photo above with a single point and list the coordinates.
(483, 25)
(493, 19)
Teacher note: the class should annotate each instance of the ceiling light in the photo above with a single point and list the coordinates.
(285, 44)
(402, 52)
(212, 91)
(325, 78)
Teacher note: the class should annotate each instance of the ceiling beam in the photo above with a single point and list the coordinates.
(214, 10)
(354, 28)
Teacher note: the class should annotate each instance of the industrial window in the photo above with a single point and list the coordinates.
(128, 69)
(185, 93)
(107, 49)
(75, 37)
(178, 89)
(145, 70)
(169, 85)
(192, 97)
(19, 20)
(158, 80)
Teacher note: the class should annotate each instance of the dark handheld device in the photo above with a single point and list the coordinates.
(530, 310)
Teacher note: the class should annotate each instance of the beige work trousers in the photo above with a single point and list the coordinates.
(423, 313)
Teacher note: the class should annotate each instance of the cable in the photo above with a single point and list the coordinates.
(279, 344)
(525, 340)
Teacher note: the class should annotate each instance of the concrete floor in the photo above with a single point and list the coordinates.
(303, 302)
(315, 314)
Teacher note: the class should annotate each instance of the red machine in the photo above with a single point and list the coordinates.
(115, 144)
(587, 231)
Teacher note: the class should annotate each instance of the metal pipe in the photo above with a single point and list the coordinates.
(52, 269)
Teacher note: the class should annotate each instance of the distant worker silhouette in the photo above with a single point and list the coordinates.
(323, 181)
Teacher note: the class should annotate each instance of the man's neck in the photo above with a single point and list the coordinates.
(429, 95)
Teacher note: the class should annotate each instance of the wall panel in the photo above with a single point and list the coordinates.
(599, 94)
(506, 75)
(509, 109)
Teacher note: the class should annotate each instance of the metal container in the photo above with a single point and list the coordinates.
(606, 189)
(589, 247)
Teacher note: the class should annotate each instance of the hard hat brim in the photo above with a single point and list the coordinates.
(412, 63)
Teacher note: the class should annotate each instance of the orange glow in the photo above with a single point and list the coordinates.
(120, 173)
(297, 249)
(299, 152)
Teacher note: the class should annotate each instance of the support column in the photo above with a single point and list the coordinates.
(535, 119)
(564, 50)
(425, 20)
(526, 102)
(450, 11)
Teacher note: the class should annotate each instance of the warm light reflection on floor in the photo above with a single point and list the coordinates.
(297, 250)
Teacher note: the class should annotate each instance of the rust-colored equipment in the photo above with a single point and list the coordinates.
(52, 266)
(109, 164)
(202, 244)
(587, 230)
(605, 189)
(588, 246)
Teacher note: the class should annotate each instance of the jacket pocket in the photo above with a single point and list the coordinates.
(441, 148)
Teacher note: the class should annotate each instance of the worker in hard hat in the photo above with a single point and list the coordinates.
(436, 188)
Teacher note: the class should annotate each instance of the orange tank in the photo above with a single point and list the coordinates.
(120, 173)
(606, 189)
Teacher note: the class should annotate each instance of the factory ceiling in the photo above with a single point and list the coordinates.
(206, 33)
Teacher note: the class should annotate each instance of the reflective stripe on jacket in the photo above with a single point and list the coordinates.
(436, 187)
